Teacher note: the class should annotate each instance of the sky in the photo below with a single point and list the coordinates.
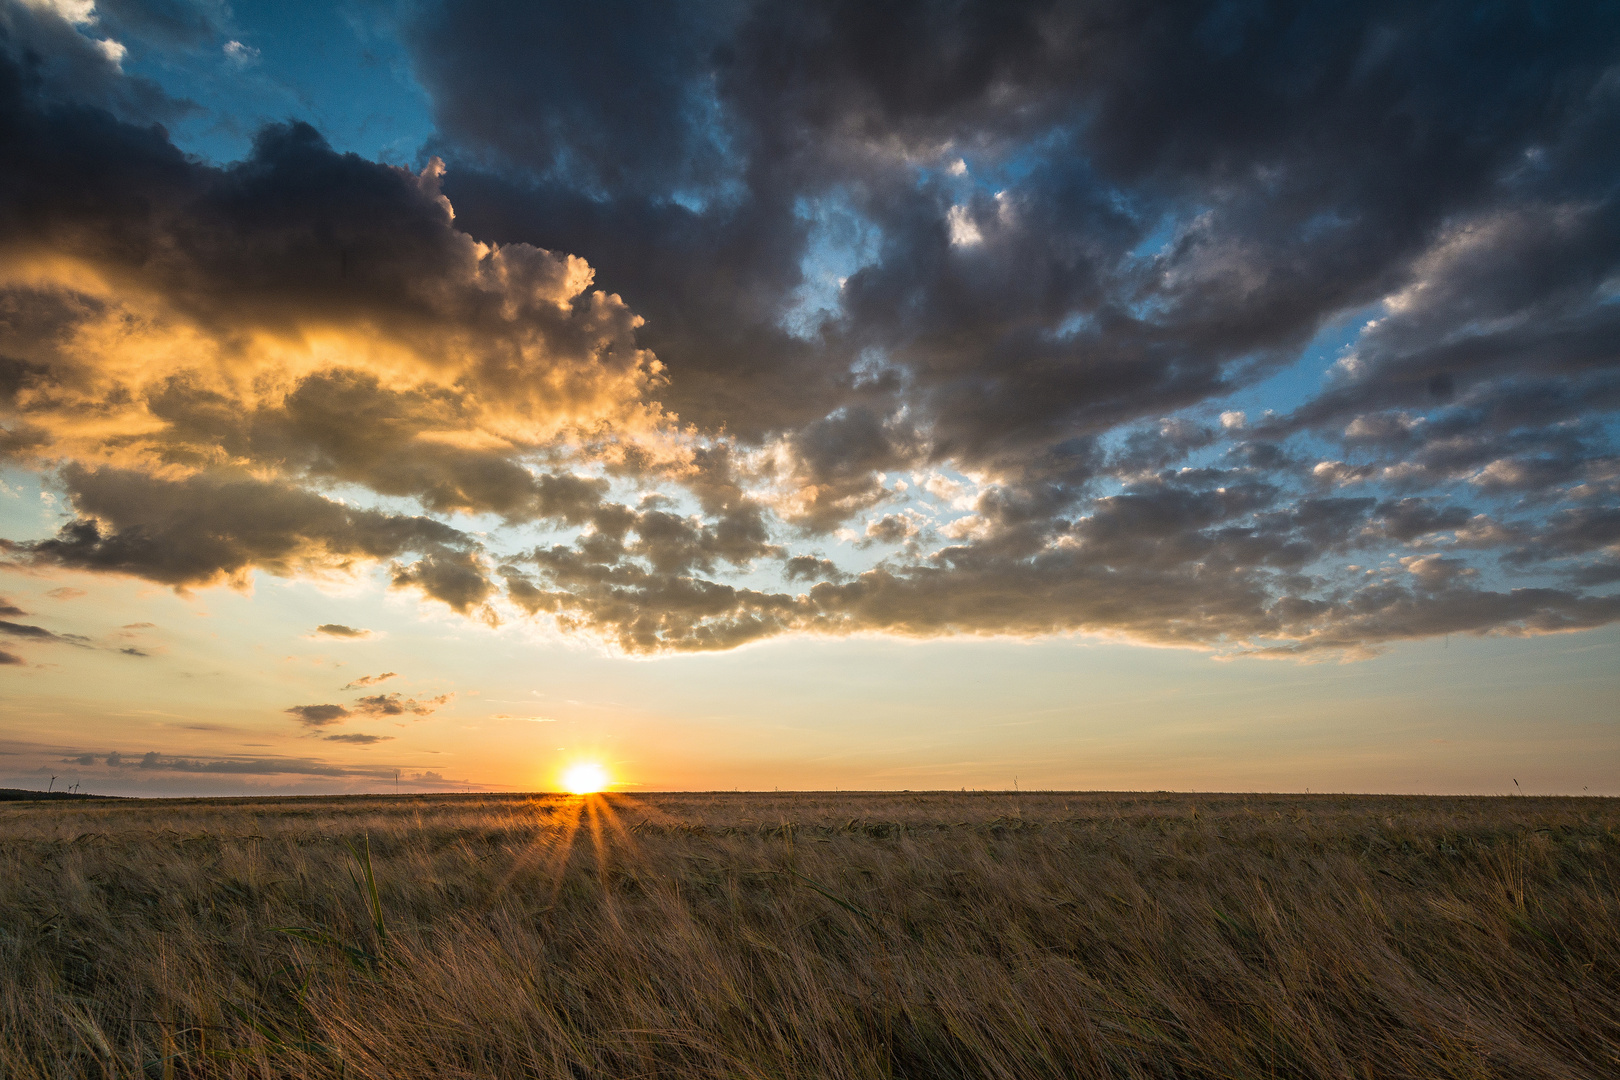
(435, 395)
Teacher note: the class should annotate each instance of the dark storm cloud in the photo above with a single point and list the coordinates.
(794, 265)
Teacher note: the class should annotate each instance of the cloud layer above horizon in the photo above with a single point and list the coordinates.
(1289, 329)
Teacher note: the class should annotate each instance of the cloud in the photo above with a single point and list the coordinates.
(25, 630)
(392, 704)
(8, 658)
(398, 705)
(152, 761)
(811, 568)
(29, 632)
(358, 740)
(207, 528)
(674, 310)
(369, 680)
(338, 630)
(69, 60)
(171, 23)
(893, 529)
(66, 592)
(319, 715)
(459, 578)
(241, 55)
(8, 608)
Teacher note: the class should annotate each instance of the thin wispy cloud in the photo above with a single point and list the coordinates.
(369, 680)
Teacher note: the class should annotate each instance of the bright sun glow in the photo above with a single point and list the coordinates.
(584, 778)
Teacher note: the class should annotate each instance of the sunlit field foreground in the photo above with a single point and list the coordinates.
(860, 935)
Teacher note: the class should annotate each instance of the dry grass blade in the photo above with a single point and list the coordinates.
(362, 855)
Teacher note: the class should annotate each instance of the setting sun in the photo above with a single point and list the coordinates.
(585, 778)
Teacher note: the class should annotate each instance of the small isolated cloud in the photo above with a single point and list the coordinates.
(338, 630)
(358, 740)
(319, 715)
(241, 55)
(397, 705)
(134, 652)
(66, 592)
(530, 719)
(1340, 473)
(139, 626)
(8, 608)
(370, 680)
(9, 658)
